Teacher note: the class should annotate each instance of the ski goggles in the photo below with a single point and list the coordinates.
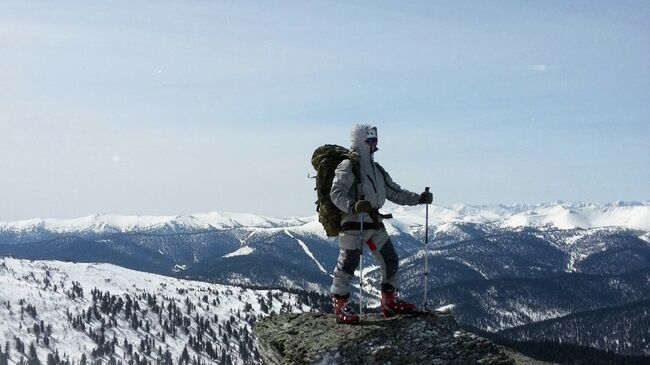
(372, 140)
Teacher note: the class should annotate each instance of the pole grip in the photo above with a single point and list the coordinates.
(426, 190)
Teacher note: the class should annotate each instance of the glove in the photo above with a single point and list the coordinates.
(425, 198)
(363, 206)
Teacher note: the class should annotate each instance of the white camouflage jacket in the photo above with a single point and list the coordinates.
(374, 185)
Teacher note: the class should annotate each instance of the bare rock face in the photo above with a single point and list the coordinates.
(428, 338)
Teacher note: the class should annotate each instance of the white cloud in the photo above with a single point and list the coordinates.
(538, 68)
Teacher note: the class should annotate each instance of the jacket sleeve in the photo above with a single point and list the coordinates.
(342, 185)
(396, 194)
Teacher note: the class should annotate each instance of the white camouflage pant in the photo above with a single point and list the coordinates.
(379, 244)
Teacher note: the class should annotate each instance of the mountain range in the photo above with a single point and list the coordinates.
(634, 215)
(502, 268)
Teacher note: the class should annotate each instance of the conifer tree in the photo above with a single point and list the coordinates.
(20, 346)
(223, 357)
(4, 358)
(33, 356)
(185, 357)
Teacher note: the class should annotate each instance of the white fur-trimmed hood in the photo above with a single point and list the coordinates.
(358, 139)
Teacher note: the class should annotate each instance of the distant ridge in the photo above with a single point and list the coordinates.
(633, 215)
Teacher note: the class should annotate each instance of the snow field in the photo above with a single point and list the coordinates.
(33, 283)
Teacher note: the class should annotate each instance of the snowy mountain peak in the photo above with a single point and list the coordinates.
(110, 223)
(635, 215)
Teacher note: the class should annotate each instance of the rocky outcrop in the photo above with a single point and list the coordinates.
(429, 338)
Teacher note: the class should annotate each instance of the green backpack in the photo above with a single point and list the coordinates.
(325, 160)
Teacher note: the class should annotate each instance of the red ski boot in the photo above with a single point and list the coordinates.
(391, 305)
(344, 312)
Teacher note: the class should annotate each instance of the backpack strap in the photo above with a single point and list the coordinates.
(356, 170)
(381, 169)
(383, 175)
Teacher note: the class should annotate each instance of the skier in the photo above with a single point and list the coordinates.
(361, 203)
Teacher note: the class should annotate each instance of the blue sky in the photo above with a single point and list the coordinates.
(170, 107)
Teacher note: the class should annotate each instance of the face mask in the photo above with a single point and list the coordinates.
(372, 139)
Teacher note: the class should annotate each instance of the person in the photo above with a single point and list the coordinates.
(361, 197)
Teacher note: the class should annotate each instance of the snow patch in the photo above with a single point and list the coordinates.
(645, 237)
(307, 251)
(179, 268)
(466, 263)
(446, 308)
(246, 250)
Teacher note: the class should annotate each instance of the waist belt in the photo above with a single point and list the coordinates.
(355, 226)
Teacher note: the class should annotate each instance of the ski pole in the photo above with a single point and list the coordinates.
(426, 251)
(361, 263)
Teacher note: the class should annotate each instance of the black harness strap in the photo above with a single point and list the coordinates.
(355, 226)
